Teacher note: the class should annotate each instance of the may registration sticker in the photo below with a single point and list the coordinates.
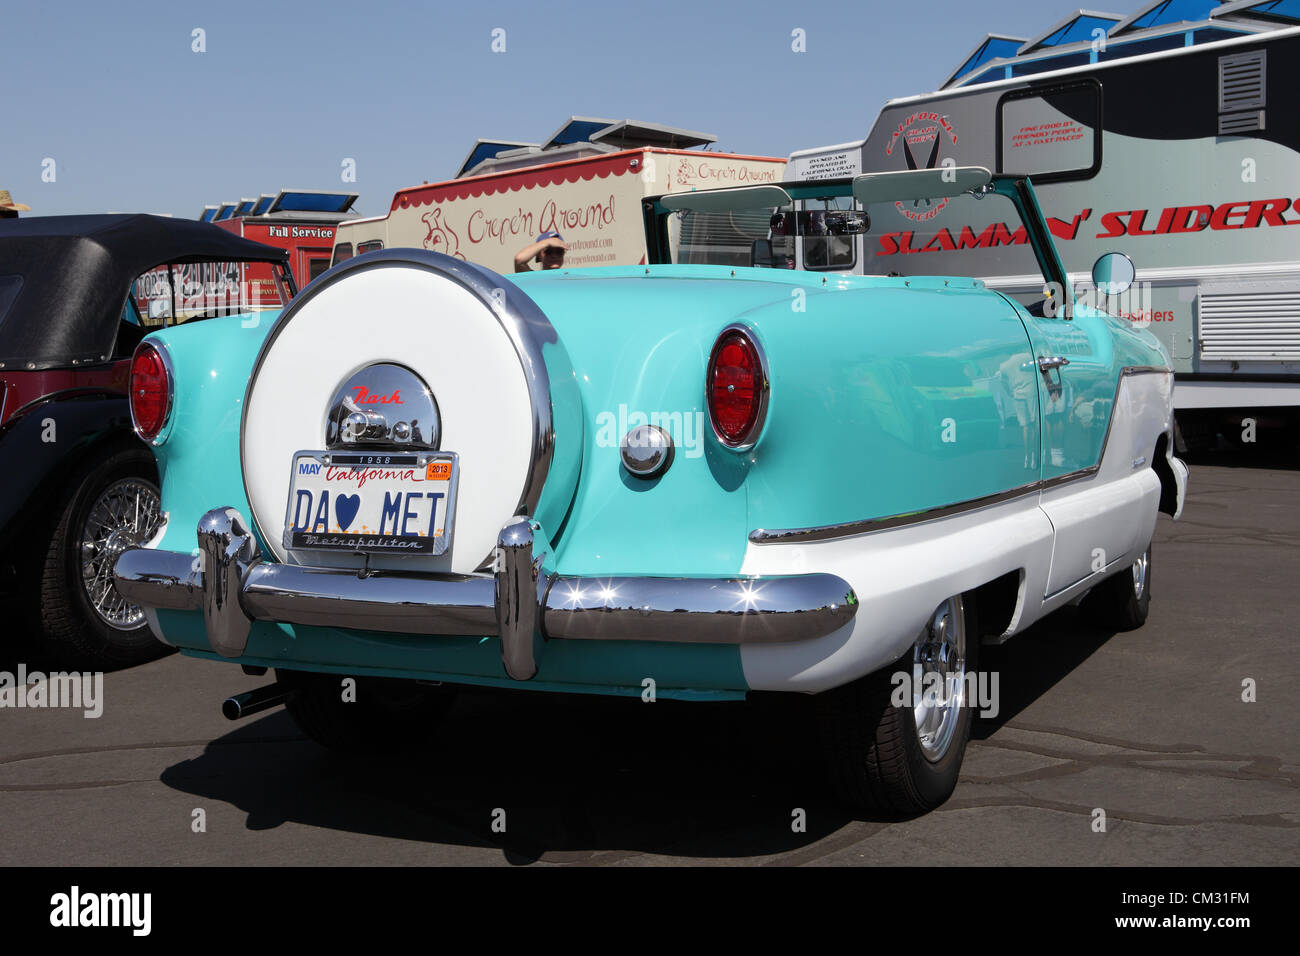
(375, 503)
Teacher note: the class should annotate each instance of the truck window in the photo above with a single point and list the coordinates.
(1051, 134)
(828, 239)
(342, 251)
(374, 245)
(728, 238)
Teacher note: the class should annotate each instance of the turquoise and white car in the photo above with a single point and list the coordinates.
(693, 479)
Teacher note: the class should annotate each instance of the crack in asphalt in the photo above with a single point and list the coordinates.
(1254, 767)
(162, 745)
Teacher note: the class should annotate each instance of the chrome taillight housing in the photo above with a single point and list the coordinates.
(150, 392)
(737, 388)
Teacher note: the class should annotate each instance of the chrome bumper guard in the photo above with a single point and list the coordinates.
(518, 600)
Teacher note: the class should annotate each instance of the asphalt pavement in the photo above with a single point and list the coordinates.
(1149, 727)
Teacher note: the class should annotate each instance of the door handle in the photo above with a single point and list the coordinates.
(1046, 363)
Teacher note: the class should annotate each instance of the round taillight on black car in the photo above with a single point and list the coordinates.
(737, 388)
(150, 390)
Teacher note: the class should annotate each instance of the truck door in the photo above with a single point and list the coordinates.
(312, 262)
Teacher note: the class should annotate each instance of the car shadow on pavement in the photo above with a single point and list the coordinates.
(18, 648)
(586, 778)
(1263, 461)
(578, 778)
(1031, 663)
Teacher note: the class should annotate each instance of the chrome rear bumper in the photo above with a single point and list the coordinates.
(519, 601)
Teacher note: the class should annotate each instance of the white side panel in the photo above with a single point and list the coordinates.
(900, 576)
(1099, 520)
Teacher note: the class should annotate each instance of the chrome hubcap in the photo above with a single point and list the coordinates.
(125, 515)
(1140, 568)
(939, 678)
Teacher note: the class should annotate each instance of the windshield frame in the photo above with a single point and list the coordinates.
(1018, 189)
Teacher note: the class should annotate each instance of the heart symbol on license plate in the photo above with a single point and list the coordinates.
(345, 509)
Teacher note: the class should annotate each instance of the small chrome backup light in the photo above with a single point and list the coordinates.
(647, 451)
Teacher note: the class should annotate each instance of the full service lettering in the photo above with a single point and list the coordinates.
(300, 232)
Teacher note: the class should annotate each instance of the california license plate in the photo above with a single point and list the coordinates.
(374, 503)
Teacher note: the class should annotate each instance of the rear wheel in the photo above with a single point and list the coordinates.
(897, 753)
(76, 611)
(373, 715)
(1122, 600)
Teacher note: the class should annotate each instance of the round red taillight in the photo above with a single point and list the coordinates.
(150, 392)
(737, 389)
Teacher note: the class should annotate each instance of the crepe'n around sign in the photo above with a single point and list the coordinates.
(586, 183)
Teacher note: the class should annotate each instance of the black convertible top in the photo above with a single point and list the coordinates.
(64, 279)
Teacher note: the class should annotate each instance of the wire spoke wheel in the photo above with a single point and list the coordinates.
(125, 515)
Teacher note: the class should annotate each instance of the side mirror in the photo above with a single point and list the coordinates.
(1113, 273)
(760, 254)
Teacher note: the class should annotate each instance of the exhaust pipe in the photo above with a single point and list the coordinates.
(253, 701)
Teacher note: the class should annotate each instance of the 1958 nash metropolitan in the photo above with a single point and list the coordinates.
(707, 475)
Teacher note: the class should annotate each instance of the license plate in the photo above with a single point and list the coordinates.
(375, 503)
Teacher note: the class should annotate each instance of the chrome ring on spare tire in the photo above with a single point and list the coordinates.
(125, 515)
(939, 679)
(1141, 568)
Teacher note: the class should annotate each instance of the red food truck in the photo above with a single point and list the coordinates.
(300, 220)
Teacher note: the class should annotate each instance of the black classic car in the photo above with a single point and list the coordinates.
(77, 486)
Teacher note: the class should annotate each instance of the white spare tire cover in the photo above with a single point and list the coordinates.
(485, 350)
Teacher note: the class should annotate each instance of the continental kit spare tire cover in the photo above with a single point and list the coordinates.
(478, 364)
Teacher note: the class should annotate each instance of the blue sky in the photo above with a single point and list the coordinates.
(135, 120)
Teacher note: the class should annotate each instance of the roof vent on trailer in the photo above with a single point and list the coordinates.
(1241, 92)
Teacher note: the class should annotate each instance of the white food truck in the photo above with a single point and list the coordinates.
(1170, 135)
(586, 183)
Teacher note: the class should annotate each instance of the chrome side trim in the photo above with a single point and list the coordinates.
(867, 525)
